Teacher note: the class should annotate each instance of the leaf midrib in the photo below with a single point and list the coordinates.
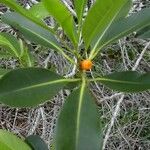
(24, 12)
(39, 36)
(52, 43)
(79, 112)
(120, 81)
(106, 29)
(115, 37)
(7, 43)
(118, 35)
(103, 18)
(40, 85)
(95, 30)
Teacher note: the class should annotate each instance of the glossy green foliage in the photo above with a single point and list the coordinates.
(78, 126)
(79, 7)
(122, 13)
(3, 72)
(63, 17)
(99, 19)
(9, 141)
(11, 43)
(36, 142)
(126, 26)
(29, 87)
(144, 33)
(124, 10)
(39, 11)
(15, 48)
(26, 59)
(13, 5)
(129, 81)
(31, 30)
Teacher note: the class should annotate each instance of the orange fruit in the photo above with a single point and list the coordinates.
(86, 64)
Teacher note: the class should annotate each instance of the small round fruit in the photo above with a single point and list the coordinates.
(86, 64)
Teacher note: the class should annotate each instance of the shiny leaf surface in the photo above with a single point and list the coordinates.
(78, 126)
(28, 87)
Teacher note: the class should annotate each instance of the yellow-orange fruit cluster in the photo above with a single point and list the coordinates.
(86, 64)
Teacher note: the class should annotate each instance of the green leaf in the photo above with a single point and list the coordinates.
(144, 33)
(28, 87)
(9, 141)
(26, 58)
(34, 32)
(15, 48)
(11, 42)
(79, 7)
(78, 126)
(13, 5)
(129, 81)
(71, 86)
(99, 19)
(3, 72)
(36, 142)
(126, 26)
(124, 10)
(63, 17)
(31, 30)
(39, 11)
(121, 14)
